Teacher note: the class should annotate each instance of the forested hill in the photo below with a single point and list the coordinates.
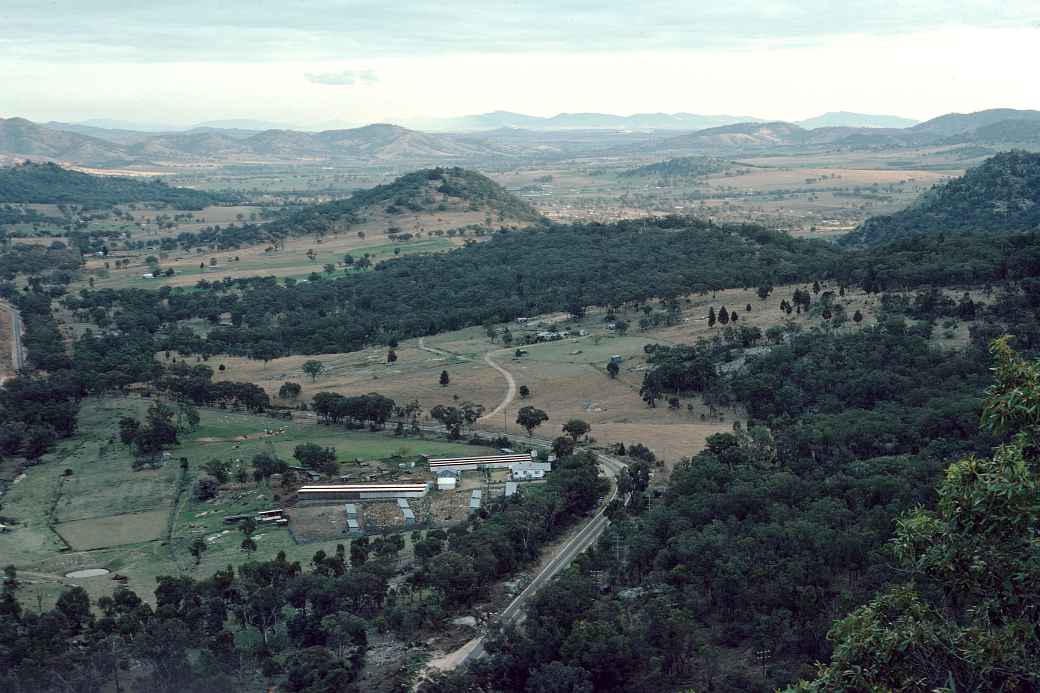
(435, 190)
(1002, 195)
(52, 184)
(682, 167)
(514, 274)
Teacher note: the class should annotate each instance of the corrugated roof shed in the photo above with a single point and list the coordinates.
(402, 503)
(408, 514)
(350, 509)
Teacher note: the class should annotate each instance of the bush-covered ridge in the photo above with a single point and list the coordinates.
(682, 167)
(1002, 195)
(51, 184)
(429, 190)
(560, 268)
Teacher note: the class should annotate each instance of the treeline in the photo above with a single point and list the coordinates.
(39, 405)
(10, 215)
(762, 538)
(682, 167)
(23, 258)
(49, 183)
(562, 268)
(373, 409)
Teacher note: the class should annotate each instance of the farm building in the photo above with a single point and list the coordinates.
(468, 464)
(525, 471)
(409, 517)
(351, 510)
(362, 491)
(475, 500)
(447, 482)
(353, 526)
(511, 488)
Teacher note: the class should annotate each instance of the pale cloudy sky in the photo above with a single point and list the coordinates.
(308, 62)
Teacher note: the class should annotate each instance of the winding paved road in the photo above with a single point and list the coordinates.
(565, 554)
(17, 349)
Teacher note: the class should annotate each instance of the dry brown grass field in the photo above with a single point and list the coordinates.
(567, 378)
(593, 191)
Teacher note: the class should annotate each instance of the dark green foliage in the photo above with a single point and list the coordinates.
(605, 265)
(410, 192)
(51, 184)
(34, 259)
(759, 540)
(1000, 196)
(683, 168)
(315, 457)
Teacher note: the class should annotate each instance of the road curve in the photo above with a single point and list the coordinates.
(510, 389)
(510, 381)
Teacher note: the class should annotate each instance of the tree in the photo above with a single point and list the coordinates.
(576, 429)
(359, 551)
(207, 487)
(556, 677)
(289, 390)
(445, 379)
(264, 465)
(391, 356)
(345, 634)
(524, 392)
(218, 469)
(451, 417)
(198, 547)
(313, 456)
(313, 368)
(857, 317)
(265, 351)
(763, 291)
(711, 316)
(965, 619)
(563, 446)
(613, 369)
(531, 418)
(128, 429)
(723, 315)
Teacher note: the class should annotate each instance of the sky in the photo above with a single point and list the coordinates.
(315, 63)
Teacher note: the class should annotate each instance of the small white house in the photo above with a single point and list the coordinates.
(447, 482)
(527, 471)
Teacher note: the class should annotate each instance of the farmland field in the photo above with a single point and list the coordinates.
(84, 506)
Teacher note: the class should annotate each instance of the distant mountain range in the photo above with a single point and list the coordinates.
(371, 143)
(1001, 127)
(644, 121)
(1001, 195)
(514, 137)
(580, 121)
(845, 119)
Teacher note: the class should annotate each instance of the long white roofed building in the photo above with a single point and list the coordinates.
(467, 464)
